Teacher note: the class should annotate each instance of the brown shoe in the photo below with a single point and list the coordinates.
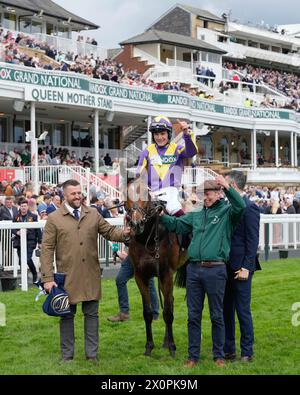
(190, 363)
(119, 317)
(220, 362)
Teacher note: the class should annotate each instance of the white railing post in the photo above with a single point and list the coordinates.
(15, 261)
(271, 237)
(24, 283)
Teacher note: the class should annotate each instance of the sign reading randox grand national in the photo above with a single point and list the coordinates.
(71, 89)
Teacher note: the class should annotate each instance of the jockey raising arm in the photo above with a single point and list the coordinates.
(161, 163)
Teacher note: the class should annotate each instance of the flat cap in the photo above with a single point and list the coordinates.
(211, 185)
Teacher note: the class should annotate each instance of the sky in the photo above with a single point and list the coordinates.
(122, 19)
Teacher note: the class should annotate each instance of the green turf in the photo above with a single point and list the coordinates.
(29, 343)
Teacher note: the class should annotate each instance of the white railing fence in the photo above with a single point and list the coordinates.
(282, 231)
(58, 174)
(9, 260)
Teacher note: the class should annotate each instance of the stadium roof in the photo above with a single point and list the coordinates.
(157, 36)
(49, 8)
(199, 12)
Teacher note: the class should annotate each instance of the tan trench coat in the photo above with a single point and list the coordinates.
(75, 246)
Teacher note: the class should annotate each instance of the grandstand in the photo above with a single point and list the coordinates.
(238, 86)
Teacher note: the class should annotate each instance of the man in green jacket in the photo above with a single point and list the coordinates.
(212, 228)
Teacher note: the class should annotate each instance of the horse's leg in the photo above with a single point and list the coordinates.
(147, 312)
(166, 285)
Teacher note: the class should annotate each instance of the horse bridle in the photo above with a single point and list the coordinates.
(147, 213)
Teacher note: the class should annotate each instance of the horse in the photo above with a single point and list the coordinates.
(154, 252)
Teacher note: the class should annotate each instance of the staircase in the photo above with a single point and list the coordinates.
(132, 133)
(54, 175)
(195, 176)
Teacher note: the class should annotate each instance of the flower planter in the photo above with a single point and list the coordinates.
(8, 283)
(283, 254)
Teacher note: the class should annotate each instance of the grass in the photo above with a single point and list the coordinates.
(29, 343)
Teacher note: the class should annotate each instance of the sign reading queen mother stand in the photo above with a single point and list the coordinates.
(67, 88)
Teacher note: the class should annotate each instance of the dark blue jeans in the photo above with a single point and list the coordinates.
(126, 272)
(201, 281)
(30, 263)
(238, 299)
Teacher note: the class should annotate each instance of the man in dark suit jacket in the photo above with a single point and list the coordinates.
(8, 211)
(242, 264)
(54, 205)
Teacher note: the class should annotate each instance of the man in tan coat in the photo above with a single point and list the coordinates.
(71, 232)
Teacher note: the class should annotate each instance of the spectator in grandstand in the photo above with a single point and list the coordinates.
(54, 205)
(125, 273)
(45, 203)
(242, 264)
(289, 207)
(107, 160)
(6, 188)
(34, 236)
(79, 261)
(18, 188)
(206, 271)
(274, 207)
(8, 211)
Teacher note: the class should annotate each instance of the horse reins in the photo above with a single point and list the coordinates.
(153, 211)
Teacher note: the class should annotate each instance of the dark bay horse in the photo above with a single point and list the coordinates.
(154, 252)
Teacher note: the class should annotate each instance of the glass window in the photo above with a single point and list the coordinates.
(3, 130)
(25, 25)
(244, 151)
(213, 58)
(9, 21)
(259, 147)
(204, 56)
(59, 135)
(19, 131)
(224, 149)
(81, 137)
(287, 152)
(50, 29)
(272, 152)
(206, 147)
(63, 31)
(36, 27)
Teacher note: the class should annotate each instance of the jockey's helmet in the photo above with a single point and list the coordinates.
(161, 124)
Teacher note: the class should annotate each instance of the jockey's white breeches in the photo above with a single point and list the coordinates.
(171, 197)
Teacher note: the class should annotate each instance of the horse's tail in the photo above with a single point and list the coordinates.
(180, 277)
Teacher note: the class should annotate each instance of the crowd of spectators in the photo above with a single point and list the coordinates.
(285, 82)
(276, 200)
(50, 198)
(108, 69)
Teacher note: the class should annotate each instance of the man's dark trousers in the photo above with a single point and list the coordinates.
(91, 329)
(30, 263)
(201, 281)
(238, 299)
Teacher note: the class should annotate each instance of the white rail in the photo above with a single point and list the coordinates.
(284, 231)
(58, 174)
(10, 260)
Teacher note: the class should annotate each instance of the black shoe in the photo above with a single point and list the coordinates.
(230, 356)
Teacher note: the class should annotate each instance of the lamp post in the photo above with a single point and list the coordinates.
(30, 137)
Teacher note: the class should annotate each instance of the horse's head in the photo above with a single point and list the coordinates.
(137, 205)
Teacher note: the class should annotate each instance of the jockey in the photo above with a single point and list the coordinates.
(161, 163)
